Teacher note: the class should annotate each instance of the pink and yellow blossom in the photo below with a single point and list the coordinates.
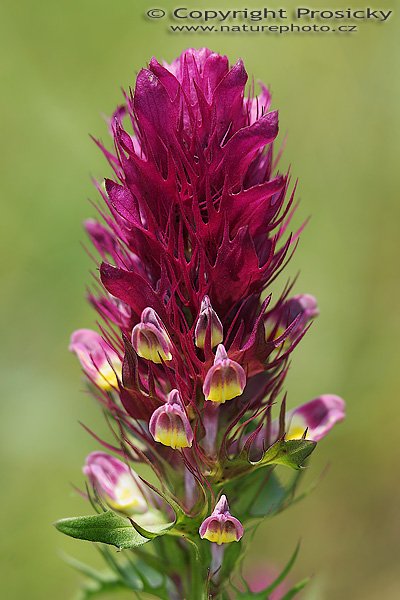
(221, 527)
(225, 380)
(99, 361)
(169, 424)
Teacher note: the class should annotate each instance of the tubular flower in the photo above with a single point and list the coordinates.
(169, 424)
(225, 380)
(208, 320)
(150, 338)
(220, 527)
(317, 417)
(195, 349)
(116, 483)
(99, 361)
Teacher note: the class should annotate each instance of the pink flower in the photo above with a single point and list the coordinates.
(220, 527)
(225, 380)
(313, 419)
(169, 424)
(150, 338)
(115, 483)
(317, 416)
(99, 361)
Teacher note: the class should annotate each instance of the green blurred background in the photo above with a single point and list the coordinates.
(338, 95)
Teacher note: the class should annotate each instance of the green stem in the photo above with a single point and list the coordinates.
(197, 580)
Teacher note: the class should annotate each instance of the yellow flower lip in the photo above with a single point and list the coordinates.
(221, 533)
(169, 424)
(221, 527)
(148, 347)
(107, 376)
(127, 497)
(150, 338)
(99, 360)
(225, 380)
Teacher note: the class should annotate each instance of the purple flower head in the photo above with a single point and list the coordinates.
(115, 483)
(169, 424)
(208, 320)
(195, 228)
(317, 416)
(99, 361)
(150, 338)
(225, 380)
(220, 527)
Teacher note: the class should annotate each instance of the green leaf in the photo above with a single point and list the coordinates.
(270, 497)
(275, 496)
(154, 531)
(107, 528)
(291, 453)
(87, 570)
(136, 574)
(296, 589)
(93, 589)
(125, 574)
(282, 576)
(154, 578)
(232, 554)
(266, 592)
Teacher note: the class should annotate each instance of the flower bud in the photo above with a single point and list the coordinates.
(99, 361)
(225, 380)
(317, 416)
(208, 318)
(115, 483)
(169, 424)
(221, 527)
(302, 307)
(150, 338)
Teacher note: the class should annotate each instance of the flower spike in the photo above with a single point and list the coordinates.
(150, 338)
(225, 380)
(220, 527)
(194, 229)
(208, 318)
(169, 424)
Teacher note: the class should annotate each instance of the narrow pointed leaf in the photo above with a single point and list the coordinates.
(296, 589)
